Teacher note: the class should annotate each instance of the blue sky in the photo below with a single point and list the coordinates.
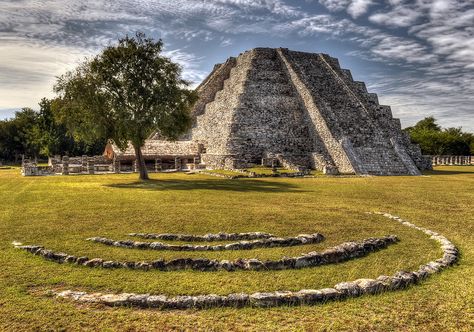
(417, 55)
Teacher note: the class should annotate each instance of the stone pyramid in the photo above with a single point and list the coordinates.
(300, 109)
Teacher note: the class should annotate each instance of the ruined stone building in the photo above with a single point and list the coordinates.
(300, 109)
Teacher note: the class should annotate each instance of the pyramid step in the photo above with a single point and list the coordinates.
(270, 101)
(269, 88)
(347, 74)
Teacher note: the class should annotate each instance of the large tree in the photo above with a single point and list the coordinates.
(435, 140)
(17, 136)
(38, 134)
(125, 93)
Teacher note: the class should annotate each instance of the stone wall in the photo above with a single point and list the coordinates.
(351, 122)
(213, 127)
(452, 160)
(31, 168)
(160, 148)
(382, 114)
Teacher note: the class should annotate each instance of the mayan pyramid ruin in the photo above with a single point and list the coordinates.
(300, 109)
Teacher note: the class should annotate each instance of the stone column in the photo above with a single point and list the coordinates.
(65, 170)
(116, 166)
(135, 166)
(157, 164)
(84, 162)
(177, 163)
(90, 166)
(274, 166)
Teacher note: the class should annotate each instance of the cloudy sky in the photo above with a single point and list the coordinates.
(417, 55)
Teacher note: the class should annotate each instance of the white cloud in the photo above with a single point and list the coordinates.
(397, 48)
(190, 64)
(355, 8)
(28, 72)
(359, 7)
(225, 42)
(430, 42)
(335, 5)
(400, 16)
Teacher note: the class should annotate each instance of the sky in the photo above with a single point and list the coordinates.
(418, 56)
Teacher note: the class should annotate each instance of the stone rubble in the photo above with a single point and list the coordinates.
(242, 245)
(399, 280)
(342, 252)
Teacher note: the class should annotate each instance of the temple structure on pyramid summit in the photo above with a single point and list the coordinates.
(300, 110)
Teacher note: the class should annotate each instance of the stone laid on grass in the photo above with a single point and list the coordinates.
(242, 245)
(339, 253)
(205, 238)
(399, 280)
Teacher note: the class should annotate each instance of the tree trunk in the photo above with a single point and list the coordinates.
(141, 163)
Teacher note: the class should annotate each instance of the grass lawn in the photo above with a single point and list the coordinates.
(59, 212)
(224, 172)
(268, 170)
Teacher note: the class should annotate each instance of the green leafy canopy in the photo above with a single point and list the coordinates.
(126, 93)
(435, 140)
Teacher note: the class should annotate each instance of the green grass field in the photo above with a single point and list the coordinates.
(59, 212)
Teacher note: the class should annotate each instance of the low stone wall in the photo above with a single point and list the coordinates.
(383, 283)
(452, 160)
(35, 170)
(243, 245)
(67, 165)
(339, 253)
(204, 238)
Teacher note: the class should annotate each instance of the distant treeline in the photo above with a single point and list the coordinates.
(39, 134)
(435, 140)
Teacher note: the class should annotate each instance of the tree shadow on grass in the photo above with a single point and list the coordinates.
(450, 172)
(209, 184)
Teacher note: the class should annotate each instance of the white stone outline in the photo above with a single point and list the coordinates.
(399, 280)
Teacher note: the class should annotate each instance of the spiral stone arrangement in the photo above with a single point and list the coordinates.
(339, 253)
